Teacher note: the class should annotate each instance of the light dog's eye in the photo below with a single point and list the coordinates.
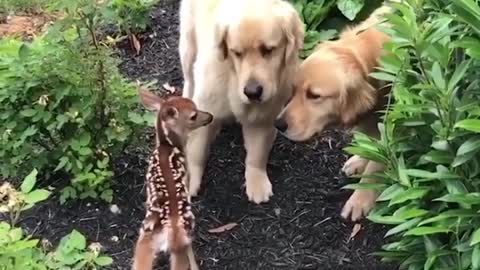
(311, 95)
(266, 51)
(237, 53)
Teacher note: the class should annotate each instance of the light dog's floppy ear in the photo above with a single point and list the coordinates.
(220, 39)
(293, 29)
(359, 99)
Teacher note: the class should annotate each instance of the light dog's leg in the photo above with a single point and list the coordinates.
(197, 150)
(187, 46)
(354, 165)
(362, 200)
(258, 143)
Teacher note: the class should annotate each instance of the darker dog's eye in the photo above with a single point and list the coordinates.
(266, 51)
(237, 53)
(193, 117)
(311, 95)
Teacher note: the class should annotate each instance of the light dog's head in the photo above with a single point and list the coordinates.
(331, 88)
(262, 40)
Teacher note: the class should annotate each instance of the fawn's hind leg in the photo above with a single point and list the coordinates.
(144, 252)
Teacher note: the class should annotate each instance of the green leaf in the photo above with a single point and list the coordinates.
(23, 51)
(37, 196)
(28, 112)
(364, 186)
(458, 75)
(84, 139)
(62, 163)
(135, 118)
(404, 226)
(476, 257)
(390, 192)
(475, 237)
(471, 145)
(76, 240)
(469, 124)
(390, 220)
(103, 261)
(438, 76)
(470, 198)
(456, 213)
(29, 181)
(407, 195)
(350, 8)
(426, 231)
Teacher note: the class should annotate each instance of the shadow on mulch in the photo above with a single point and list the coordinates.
(300, 228)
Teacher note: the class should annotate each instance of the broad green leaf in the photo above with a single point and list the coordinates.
(476, 257)
(23, 51)
(29, 181)
(458, 75)
(409, 194)
(426, 231)
(76, 240)
(470, 145)
(390, 220)
(456, 213)
(84, 139)
(402, 174)
(469, 124)
(475, 237)
(28, 112)
(136, 118)
(438, 76)
(103, 261)
(36, 196)
(350, 8)
(390, 192)
(62, 163)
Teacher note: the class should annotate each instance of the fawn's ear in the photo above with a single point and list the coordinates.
(150, 100)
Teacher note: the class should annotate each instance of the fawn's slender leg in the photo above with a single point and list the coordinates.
(362, 200)
(258, 142)
(191, 259)
(144, 253)
(197, 151)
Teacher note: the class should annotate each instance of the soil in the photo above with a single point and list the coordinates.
(300, 228)
(25, 26)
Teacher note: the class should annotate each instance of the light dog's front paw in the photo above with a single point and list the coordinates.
(359, 204)
(259, 188)
(354, 165)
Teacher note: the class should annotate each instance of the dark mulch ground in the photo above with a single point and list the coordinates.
(300, 228)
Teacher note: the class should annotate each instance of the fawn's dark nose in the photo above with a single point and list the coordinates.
(253, 90)
(281, 124)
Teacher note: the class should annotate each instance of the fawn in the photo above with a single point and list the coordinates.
(169, 221)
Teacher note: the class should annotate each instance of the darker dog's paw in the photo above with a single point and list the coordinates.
(359, 204)
(354, 165)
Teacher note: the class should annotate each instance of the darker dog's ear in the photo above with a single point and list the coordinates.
(358, 99)
(293, 30)
(220, 37)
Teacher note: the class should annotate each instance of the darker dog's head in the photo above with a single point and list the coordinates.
(262, 40)
(330, 89)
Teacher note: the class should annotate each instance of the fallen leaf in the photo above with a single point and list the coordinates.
(356, 228)
(169, 88)
(136, 43)
(223, 228)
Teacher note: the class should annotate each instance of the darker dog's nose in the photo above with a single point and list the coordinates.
(253, 90)
(281, 124)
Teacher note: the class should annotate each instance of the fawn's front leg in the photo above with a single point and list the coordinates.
(258, 142)
(362, 200)
(197, 150)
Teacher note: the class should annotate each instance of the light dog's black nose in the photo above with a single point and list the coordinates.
(253, 90)
(281, 124)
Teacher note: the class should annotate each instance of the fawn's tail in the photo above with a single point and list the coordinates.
(144, 253)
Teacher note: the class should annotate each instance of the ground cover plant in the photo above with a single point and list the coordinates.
(430, 191)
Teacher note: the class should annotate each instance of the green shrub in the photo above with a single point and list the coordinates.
(19, 251)
(430, 139)
(64, 105)
(131, 16)
(323, 18)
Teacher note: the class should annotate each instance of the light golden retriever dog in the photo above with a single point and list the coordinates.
(238, 59)
(333, 87)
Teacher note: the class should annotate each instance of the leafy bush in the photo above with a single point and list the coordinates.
(22, 252)
(131, 16)
(316, 13)
(64, 105)
(430, 137)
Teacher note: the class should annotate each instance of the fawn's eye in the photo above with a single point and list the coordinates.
(266, 51)
(193, 117)
(311, 95)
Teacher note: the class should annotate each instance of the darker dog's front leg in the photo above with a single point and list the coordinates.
(362, 200)
(258, 143)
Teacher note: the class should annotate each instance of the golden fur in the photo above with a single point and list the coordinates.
(333, 88)
(229, 48)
